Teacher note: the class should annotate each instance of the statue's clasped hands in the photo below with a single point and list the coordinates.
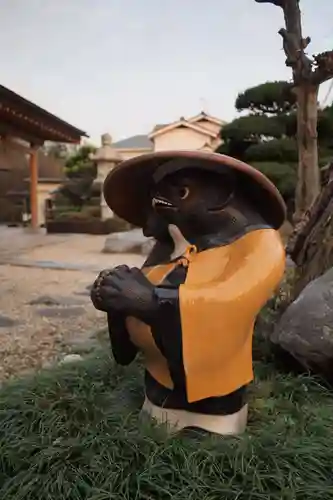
(127, 291)
(124, 290)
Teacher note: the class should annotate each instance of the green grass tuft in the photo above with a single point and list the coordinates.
(73, 433)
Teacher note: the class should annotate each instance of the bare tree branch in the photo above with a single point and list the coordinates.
(305, 42)
(278, 3)
(308, 74)
(323, 67)
(293, 42)
(293, 46)
(290, 47)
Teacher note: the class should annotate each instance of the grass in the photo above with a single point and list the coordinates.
(73, 433)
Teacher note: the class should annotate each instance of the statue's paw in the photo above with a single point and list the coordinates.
(103, 292)
(96, 295)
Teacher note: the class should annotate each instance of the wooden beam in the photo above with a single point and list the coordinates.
(26, 111)
(10, 143)
(9, 130)
(41, 130)
(33, 164)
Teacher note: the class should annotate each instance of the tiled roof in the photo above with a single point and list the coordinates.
(159, 126)
(134, 142)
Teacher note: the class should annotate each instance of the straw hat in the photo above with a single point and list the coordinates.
(128, 186)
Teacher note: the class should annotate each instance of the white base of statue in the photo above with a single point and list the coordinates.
(176, 420)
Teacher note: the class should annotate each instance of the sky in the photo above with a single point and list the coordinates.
(122, 66)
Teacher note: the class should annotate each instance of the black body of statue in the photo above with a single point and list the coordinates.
(209, 210)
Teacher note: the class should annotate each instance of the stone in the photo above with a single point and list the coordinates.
(127, 242)
(71, 358)
(106, 153)
(47, 300)
(6, 322)
(305, 330)
(61, 312)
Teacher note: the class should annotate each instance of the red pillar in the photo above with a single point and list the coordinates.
(33, 164)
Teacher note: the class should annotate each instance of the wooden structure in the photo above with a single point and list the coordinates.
(23, 124)
(311, 244)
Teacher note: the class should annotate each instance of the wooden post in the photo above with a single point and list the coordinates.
(33, 164)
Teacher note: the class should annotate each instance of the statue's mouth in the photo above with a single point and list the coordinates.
(158, 202)
(161, 202)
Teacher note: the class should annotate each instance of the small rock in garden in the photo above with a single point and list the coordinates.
(47, 300)
(71, 358)
(61, 312)
(6, 322)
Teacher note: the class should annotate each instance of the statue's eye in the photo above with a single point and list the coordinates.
(184, 192)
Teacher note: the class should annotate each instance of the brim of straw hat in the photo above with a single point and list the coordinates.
(127, 188)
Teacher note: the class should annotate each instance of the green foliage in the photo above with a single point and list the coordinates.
(269, 97)
(266, 136)
(253, 128)
(87, 213)
(79, 164)
(276, 150)
(74, 433)
(77, 191)
(235, 148)
(81, 173)
(282, 175)
(325, 126)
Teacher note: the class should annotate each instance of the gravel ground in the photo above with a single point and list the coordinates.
(42, 334)
(33, 336)
(35, 340)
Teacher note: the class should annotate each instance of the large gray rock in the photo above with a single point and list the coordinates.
(128, 242)
(305, 330)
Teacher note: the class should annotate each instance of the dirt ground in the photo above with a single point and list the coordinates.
(63, 320)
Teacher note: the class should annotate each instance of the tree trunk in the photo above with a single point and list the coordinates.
(308, 183)
(311, 245)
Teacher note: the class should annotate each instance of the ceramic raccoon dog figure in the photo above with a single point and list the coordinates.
(191, 309)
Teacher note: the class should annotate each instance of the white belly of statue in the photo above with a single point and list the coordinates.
(177, 420)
